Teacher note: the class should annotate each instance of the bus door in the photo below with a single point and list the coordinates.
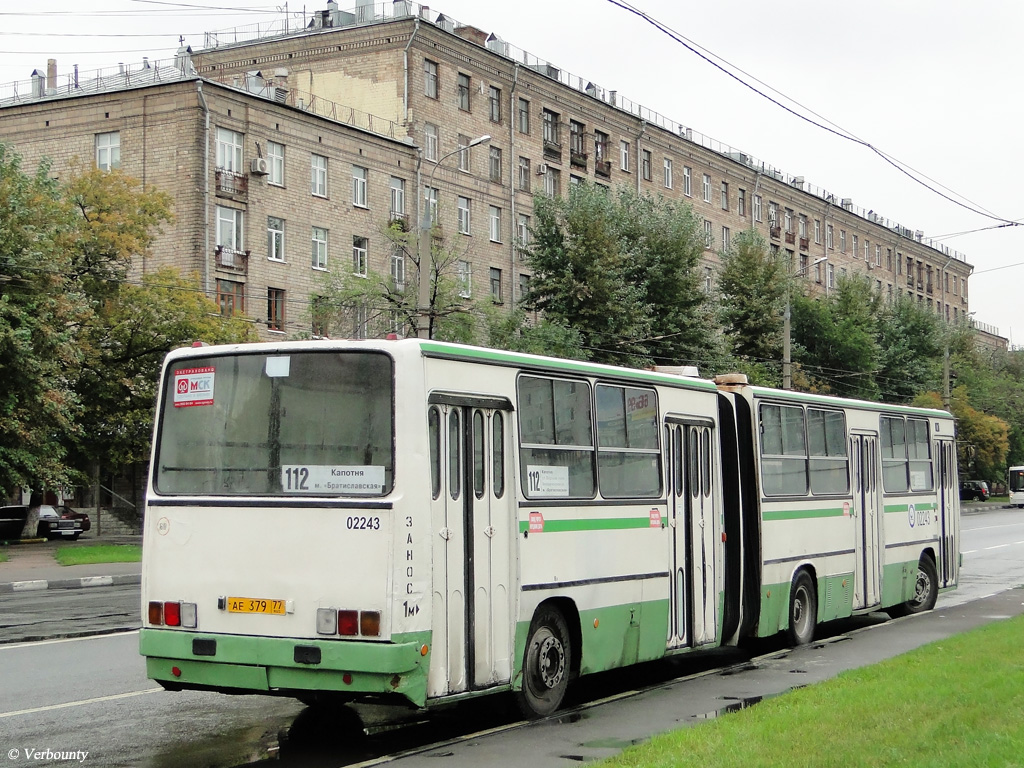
(693, 606)
(866, 521)
(948, 501)
(472, 621)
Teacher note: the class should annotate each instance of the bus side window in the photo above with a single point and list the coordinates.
(434, 439)
(498, 449)
(478, 454)
(454, 453)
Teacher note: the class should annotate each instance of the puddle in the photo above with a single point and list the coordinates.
(572, 717)
(735, 706)
(737, 670)
(612, 743)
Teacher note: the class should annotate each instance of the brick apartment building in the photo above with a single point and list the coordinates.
(287, 152)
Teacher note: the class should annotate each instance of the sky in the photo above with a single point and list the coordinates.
(932, 84)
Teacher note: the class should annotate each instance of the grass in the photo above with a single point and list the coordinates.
(86, 554)
(956, 702)
(3, 556)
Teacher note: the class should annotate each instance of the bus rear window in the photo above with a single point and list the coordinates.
(311, 423)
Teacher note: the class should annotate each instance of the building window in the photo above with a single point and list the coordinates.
(359, 186)
(524, 174)
(668, 173)
(430, 200)
(495, 99)
(551, 127)
(817, 231)
(464, 215)
(829, 243)
(878, 255)
(709, 238)
(687, 181)
(524, 116)
(831, 272)
(842, 241)
(229, 150)
(360, 246)
(495, 220)
(624, 155)
(229, 229)
(706, 187)
(855, 243)
(552, 182)
(495, 164)
(397, 197)
(230, 297)
(741, 202)
(275, 238)
(108, 150)
(430, 141)
(647, 164)
(787, 220)
(524, 229)
(726, 238)
(496, 285)
(398, 267)
(464, 279)
(757, 207)
(464, 151)
(359, 321)
(524, 286)
(600, 147)
(462, 90)
(275, 163)
(867, 250)
(318, 177)
(576, 131)
(803, 226)
(430, 78)
(709, 279)
(319, 248)
(725, 196)
(275, 309)
(773, 213)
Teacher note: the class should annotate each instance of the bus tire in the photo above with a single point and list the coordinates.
(926, 588)
(803, 609)
(546, 664)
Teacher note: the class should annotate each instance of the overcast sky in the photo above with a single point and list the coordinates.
(934, 84)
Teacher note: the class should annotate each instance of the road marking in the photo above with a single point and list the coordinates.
(98, 699)
(998, 546)
(34, 643)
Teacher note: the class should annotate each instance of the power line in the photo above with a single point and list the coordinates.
(837, 131)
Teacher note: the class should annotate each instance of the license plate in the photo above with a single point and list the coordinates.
(255, 605)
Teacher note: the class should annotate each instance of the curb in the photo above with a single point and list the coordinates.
(35, 585)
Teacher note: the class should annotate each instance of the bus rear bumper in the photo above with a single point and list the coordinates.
(288, 666)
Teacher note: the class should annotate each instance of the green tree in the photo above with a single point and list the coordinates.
(512, 331)
(911, 345)
(836, 339)
(40, 310)
(982, 440)
(622, 271)
(752, 288)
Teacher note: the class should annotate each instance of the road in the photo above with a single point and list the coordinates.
(91, 694)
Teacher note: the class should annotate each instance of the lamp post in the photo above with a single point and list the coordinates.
(423, 246)
(787, 363)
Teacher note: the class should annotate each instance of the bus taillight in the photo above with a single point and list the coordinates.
(369, 623)
(348, 622)
(173, 614)
(156, 614)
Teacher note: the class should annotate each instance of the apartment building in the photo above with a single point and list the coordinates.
(287, 151)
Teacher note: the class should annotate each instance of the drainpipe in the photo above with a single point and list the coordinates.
(405, 67)
(206, 190)
(513, 164)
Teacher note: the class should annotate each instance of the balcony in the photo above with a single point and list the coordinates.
(232, 261)
(805, 243)
(399, 221)
(603, 168)
(775, 231)
(231, 184)
(790, 238)
(578, 158)
(552, 150)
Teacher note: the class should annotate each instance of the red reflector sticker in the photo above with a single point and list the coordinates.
(172, 614)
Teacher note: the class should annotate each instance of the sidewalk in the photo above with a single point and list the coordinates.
(31, 566)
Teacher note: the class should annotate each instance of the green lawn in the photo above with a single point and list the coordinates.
(3, 556)
(953, 703)
(83, 554)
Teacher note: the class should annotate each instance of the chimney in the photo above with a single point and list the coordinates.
(38, 84)
(51, 74)
(183, 60)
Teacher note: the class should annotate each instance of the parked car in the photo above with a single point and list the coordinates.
(61, 522)
(12, 521)
(974, 490)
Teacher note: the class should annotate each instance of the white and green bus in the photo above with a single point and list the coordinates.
(1015, 486)
(342, 520)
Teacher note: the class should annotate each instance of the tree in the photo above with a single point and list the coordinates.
(40, 310)
(621, 270)
(911, 346)
(982, 440)
(835, 339)
(752, 288)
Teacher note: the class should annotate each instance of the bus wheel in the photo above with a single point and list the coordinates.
(546, 664)
(926, 587)
(803, 610)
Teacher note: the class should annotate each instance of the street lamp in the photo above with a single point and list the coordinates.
(787, 363)
(423, 247)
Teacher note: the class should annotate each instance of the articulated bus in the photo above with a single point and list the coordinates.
(421, 521)
(1015, 486)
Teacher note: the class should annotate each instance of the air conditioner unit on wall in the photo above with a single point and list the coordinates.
(259, 166)
(542, 169)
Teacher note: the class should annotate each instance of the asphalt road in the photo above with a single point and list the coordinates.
(91, 694)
